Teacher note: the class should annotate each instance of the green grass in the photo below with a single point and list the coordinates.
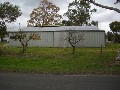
(60, 60)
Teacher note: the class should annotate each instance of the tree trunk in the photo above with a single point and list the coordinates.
(23, 49)
(73, 49)
(106, 7)
(1, 51)
(2, 39)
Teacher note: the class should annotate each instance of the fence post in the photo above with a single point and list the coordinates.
(101, 50)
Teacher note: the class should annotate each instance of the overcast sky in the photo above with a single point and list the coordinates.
(103, 16)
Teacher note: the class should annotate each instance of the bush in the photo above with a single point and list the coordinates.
(2, 47)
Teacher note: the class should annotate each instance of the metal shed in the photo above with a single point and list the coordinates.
(55, 36)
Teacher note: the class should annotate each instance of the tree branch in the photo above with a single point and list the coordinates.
(106, 7)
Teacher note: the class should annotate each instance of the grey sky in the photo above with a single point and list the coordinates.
(103, 16)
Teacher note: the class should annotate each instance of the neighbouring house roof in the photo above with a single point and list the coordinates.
(61, 28)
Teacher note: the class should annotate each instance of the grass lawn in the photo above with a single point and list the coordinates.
(61, 61)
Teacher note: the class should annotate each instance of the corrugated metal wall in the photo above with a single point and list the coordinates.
(46, 40)
(58, 39)
(93, 39)
(12, 42)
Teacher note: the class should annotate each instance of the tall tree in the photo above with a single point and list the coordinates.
(115, 28)
(45, 14)
(8, 13)
(103, 6)
(79, 14)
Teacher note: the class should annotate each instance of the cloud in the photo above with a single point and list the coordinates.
(26, 7)
(103, 16)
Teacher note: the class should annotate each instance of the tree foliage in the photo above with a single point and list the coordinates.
(3, 31)
(115, 28)
(24, 38)
(110, 36)
(45, 14)
(8, 13)
(79, 14)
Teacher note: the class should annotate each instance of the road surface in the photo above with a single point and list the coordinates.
(14, 81)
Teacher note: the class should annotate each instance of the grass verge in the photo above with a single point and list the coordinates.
(61, 61)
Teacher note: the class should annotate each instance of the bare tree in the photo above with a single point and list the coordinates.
(73, 38)
(24, 38)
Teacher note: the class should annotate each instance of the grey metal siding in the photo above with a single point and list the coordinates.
(13, 42)
(94, 39)
(57, 39)
(46, 40)
(91, 39)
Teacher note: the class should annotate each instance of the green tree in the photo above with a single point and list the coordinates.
(79, 14)
(3, 31)
(110, 36)
(45, 14)
(103, 6)
(8, 13)
(115, 28)
(66, 23)
(94, 23)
